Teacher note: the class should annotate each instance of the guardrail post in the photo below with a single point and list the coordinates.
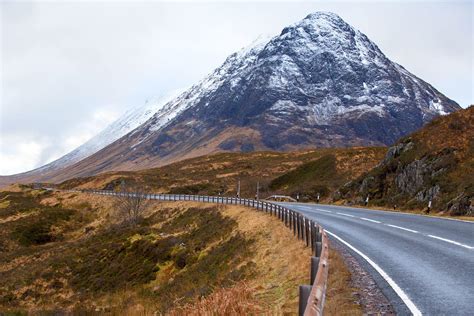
(319, 248)
(307, 231)
(303, 298)
(314, 269)
(294, 223)
(301, 227)
(298, 225)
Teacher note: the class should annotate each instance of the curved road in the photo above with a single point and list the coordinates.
(424, 265)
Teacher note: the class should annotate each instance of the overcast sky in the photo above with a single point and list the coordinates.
(70, 68)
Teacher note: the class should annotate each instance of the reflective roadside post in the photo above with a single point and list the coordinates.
(238, 189)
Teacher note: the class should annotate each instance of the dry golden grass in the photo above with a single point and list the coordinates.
(283, 264)
(281, 260)
(219, 173)
(237, 300)
(339, 296)
(280, 264)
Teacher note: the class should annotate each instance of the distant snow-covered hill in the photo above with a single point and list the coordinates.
(120, 127)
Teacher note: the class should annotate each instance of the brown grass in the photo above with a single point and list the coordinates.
(281, 262)
(220, 172)
(272, 282)
(339, 297)
(237, 300)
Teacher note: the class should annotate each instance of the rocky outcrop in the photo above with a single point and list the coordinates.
(463, 204)
(422, 168)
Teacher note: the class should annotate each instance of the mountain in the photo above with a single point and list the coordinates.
(319, 83)
(123, 125)
(424, 166)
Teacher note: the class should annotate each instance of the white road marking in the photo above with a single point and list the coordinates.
(370, 220)
(403, 228)
(451, 241)
(408, 302)
(348, 215)
(322, 210)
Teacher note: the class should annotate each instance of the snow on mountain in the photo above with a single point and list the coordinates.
(319, 83)
(317, 74)
(191, 97)
(130, 120)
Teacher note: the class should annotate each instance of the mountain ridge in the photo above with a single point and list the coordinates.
(319, 83)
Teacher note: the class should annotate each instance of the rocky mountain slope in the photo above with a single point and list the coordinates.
(435, 163)
(319, 83)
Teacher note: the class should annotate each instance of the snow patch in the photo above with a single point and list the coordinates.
(438, 107)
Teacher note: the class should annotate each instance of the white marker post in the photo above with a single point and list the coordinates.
(256, 195)
(238, 189)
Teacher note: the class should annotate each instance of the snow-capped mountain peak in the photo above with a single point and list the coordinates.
(318, 83)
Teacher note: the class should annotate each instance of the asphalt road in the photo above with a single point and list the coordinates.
(424, 265)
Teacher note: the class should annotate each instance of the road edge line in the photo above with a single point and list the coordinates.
(403, 296)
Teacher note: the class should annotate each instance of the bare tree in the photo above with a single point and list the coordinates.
(131, 202)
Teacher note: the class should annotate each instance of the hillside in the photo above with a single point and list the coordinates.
(319, 83)
(435, 163)
(73, 253)
(277, 173)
